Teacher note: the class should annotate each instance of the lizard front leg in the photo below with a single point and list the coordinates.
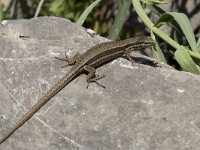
(70, 60)
(92, 77)
(128, 56)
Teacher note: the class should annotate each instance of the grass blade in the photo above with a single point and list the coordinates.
(86, 12)
(185, 61)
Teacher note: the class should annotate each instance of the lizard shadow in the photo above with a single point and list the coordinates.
(144, 61)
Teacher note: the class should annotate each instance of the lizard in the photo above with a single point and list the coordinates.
(87, 63)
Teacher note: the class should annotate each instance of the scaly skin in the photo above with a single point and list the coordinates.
(88, 61)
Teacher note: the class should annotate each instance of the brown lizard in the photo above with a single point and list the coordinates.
(86, 62)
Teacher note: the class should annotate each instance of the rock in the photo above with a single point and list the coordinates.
(142, 107)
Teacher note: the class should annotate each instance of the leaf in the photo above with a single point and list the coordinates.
(156, 50)
(158, 54)
(154, 2)
(180, 22)
(157, 10)
(185, 61)
(86, 12)
(119, 19)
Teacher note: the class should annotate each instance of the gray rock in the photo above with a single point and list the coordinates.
(142, 108)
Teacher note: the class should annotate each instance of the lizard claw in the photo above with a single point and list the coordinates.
(95, 80)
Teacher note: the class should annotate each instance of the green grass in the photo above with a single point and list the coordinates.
(187, 56)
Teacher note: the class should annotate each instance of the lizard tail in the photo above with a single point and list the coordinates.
(43, 100)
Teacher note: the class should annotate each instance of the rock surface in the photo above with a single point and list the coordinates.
(142, 107)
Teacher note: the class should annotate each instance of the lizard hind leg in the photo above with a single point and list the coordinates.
(70, 60)
(92, 77)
